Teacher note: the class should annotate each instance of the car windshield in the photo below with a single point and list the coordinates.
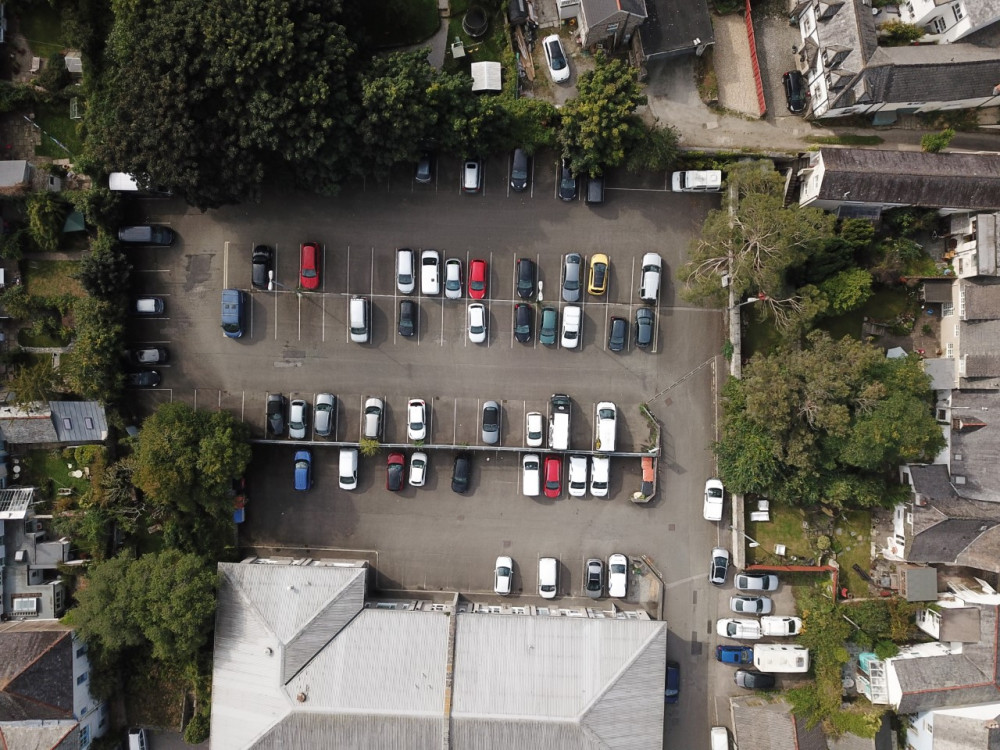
(617, 568)
(373, 410)
(531, 466)
(599, 270)
(503, 571)
(568, 183)
(714, 492)
(558, 61)
(606, 414)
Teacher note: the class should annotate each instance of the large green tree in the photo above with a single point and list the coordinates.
(827, 423)
(210, 97)
(92, 368)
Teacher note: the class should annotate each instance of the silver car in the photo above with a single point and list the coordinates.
(572, 273)
(297, 419)
(593, 576)
(491, 423)
(326, 405)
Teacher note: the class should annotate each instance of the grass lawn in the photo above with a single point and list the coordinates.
(785, 527)
(885, 304)
(845, 140)
(398, 23)
(43, 466)
(853, 549)
(41, 24)
(25, 338)
(53, 118)
(489, 48)
(52, 278)
(154, 695)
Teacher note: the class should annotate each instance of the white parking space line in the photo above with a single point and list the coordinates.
(322, 281)
(322, 308)
(225, 266)
(509, 158)
(300, 315)
(454, 422)
(442, 322)
(479, 421)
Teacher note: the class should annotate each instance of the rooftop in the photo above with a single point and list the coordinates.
(672, 26)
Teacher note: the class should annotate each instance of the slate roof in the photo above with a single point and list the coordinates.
(957, 732)
(932, 481)
(36, 673)
(599, 10)
(40, 735)
(920, 584)
(673, 25)
(987, 244)
(938, 290)
(762, 723)
(946, 180)
(978, 448)
(982, 301)
(66, 422)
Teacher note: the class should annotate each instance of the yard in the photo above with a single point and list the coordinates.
(51, 469)
(52, 278)
(53, 118)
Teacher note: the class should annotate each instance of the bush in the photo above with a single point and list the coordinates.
(197, 729)
(899, 34)
(46, 216)
(54, 76)
(932, 143)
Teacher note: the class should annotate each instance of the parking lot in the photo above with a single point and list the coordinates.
(430, 538)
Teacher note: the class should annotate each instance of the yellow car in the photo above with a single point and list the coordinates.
(599, 265)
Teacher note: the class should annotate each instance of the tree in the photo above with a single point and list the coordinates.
(847, 290)
(210, 98)
(900, 33)
(828, 423)
(932, 143)
(46, 215)
(104, 608)
(105, 271)
(657, 150)
(599, 125)
(100, 207)
(34, 383)
(91, 368)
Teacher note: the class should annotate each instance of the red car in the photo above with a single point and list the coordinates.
(309, 266)
(477, 279)
(394, 472)
(553, 468)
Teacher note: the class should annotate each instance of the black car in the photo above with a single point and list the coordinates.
(425, 168)
(567, 182)
(519, 171)
(617, 334)
(407, 317)
(643, 327)
(460, 473)
(525, 278)
(142, 379)
(522, 322)
(261, 266)
(276, 413)
(549, 330)
(795, 91)
(147, 356)
(595, 189)
(748, 678)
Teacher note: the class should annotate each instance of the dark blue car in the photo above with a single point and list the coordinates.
(673, 690)
(734, 654)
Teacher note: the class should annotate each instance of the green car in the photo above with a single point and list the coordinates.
(549, 328)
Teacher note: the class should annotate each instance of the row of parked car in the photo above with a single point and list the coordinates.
(595, 585)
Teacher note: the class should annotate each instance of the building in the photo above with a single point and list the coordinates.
(303, 659)
(673, 29)
(58, 423)
(45, 699)
(764, 722)
(610, 24)
(848, 73)
(967, 727)
(945, 22)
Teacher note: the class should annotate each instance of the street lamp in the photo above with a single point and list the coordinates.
(749, 301)
(753, 542)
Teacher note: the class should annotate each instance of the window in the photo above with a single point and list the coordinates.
(67, 423)
(612, 27)
(26, 605)
(939, 25)
(957, 329)
(957, 10)
(81, 679)
(949, 350)
(88, 423)
(81, 651)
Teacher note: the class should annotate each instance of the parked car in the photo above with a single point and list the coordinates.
(234, 310)
(491, 423)
(522, 322)
(477, 323)
(142, 379)
(472, 175)
(548, 331)
(649, 279)
(477, 278)
(750, 605)
(460, 473)
(324, 413)
(453, 278)
(394, 471)
(303, 470)
(734, 654)
(756, 582)
(753, 680)
(519, 171)
(372, 418)
(795, 91)
(416, 419)
(146, 234)
(555, 57)
(405, 280)
(599, 265)
(777, 626)
(600, 468)
(297, 418)
(577, 476)
(567, 182)
(607, 426)
(525, 278)
(572, 271)
(617, 334)
(503, 576)
(719, 568)
(672, 691)
(617, 576)
(425, 168)
(147, 356)
(348, 469)
(276, 414)
(261, 266)
(571, 327)
(553, 480)
(358, 320)
(407, 318)
(738, 628)
(418, 469)
(643, 327)
(535, 429)
(548, 577)
(430, 273)
(595, 190)
(309, 258)
(593, 578)
(714, 495)
(146, 306)
(531, 475)
(697, 181)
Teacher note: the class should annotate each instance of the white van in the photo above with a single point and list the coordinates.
(359, 320)
(430, 273)
(348, 468)
(720, 738)
(138, 739)
(780, 626)
(531, 474)
(404, 270)
(649, 279)
(776, 657)
(607, 425)
(559, 422)
(697, 181)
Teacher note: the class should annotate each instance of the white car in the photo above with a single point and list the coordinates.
(780, 626)
(756, 582)
(404, 271)
(453, 278)
(607, 426)
(323, 413)
(600, 467)
(477, 323)
(571, 326)
(297, 419)
(714, 496)
(531, 475)
(555, 56)
(548, 577)
(738, 629)
(617, 576)
(503, 576)
(750, 605)
(535, 429)
(372, 422)
(577, 476)
(649, 278)
(416, 419)
(430, 273)
(418, 469)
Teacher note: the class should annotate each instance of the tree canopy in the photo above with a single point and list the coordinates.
(827, 423)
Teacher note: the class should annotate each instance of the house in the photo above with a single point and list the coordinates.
(672, 29)
(966, 727)
(970, 333)
(848, 73)
(304, 659)
(15, 174)
(45, 699)
(763, 722)
(866, 182)
(57, 423)
(974, 240)
(945, 22)
(609, 24)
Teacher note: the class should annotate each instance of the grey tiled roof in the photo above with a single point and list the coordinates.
(599, 10)
(673, 25)
(982, 300)
(955, 180)
(979, 448)
(36, 674)
(932, 481)
(987, 244)
(966, 732)
(79, 421)
(946, 541)
(938, 290)
(920, 584)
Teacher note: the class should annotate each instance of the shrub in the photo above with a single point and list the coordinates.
(932, 143)
(899, 34)
(54, 75)
(46, 215)
(197, 729)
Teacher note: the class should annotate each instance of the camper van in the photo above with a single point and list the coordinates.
(774, 657)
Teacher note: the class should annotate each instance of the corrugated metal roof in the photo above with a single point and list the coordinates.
(79, 421)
